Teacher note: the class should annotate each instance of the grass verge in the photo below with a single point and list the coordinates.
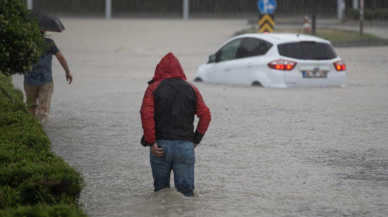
(33, 181)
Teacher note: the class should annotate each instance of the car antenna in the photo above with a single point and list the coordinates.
(297, 35)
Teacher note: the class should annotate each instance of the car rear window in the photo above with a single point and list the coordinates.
(307, 51)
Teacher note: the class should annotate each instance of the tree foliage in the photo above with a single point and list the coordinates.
(21, 43)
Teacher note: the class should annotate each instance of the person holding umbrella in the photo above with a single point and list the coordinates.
(38, 83)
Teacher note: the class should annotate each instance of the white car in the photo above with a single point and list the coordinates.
(274, 60)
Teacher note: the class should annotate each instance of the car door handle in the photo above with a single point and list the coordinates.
(250, 66)
(227, 69)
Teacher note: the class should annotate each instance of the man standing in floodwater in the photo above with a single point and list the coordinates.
(167, 115)
(38, 84)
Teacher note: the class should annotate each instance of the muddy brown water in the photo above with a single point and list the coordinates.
(268, 152)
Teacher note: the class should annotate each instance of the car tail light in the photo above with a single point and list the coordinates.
(340, 65)
(287, 65)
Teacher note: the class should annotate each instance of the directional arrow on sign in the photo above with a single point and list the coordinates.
(269, 7)
(266, 6)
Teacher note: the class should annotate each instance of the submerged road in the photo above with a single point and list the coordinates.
(268, 152)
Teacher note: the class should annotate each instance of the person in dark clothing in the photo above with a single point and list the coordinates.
(38, 83)
(167, 115)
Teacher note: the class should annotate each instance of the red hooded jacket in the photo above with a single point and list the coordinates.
(169, 106)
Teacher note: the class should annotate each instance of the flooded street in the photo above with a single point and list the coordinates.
(268, 152)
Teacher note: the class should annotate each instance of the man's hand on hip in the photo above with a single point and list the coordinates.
(156, 151)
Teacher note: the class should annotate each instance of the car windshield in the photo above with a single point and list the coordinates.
(307, 51)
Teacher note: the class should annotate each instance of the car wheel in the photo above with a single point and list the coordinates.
(257, 84)
(198, 79)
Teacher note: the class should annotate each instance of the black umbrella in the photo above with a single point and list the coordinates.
(48, 22)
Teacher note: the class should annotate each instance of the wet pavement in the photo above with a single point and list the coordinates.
(268, 152)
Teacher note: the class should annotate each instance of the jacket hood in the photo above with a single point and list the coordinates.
(169, 67)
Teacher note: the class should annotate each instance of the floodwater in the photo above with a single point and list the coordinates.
(268, 152)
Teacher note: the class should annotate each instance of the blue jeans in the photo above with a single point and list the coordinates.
(178, 156)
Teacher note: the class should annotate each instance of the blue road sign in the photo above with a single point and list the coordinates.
(266, 6)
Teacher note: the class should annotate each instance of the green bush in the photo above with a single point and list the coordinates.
(45, 182)
(23, 129)
(13, 98)
(33, 181)
(21, 42)
(13, 153)
(9, 197)
(43, 210)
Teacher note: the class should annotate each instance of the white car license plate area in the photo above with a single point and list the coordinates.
(314, 74)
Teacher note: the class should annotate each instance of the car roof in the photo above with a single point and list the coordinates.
(280, 38)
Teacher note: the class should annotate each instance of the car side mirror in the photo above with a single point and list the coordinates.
(212, 58)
